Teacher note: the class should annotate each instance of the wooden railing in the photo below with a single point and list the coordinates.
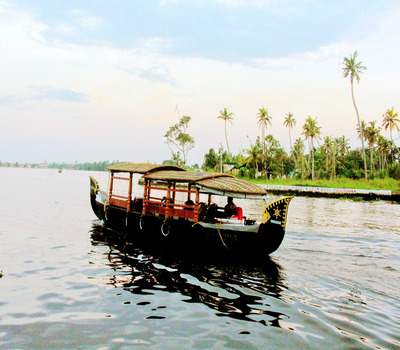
(164, 206)
(167, 207)
(117, 199)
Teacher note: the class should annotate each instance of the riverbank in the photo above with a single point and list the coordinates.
(334, 192)
(385, 189)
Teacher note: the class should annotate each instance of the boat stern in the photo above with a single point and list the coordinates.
(273, 224)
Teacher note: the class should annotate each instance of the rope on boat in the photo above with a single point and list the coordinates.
(220, 236)
(219, 233)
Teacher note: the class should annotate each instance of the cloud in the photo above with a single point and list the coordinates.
(156, 76)
(50, 93)
(9, 100)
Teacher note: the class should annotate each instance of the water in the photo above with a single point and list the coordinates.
(68, 283)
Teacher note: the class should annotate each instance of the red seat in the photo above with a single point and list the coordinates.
(238, 213)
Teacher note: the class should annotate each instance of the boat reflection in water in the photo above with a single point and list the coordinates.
(245, 291)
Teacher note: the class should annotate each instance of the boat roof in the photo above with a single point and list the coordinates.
(216, 183)
(232, 187)
(141, 168)
(182, 176)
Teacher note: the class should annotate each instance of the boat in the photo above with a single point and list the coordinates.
(176, 208)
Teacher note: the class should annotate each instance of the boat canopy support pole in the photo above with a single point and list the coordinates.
(196, 205)
(111, 185)
(128, 207)
(145, 193)
(168, 200)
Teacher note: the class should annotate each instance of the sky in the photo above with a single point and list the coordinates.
(95, 80)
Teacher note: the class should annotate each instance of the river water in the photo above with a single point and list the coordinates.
(68, 283)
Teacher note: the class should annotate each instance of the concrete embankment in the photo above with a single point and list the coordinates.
(334, 192)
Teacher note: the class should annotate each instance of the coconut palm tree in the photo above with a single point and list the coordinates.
(298, 154)
(391, 121)
(226, 117)
(334, 149)
(327, 146)
(383, 148)
(353, 69)
(361, 130)
(289, 122)
(311, 131)
(342, 145)
(371, 133)
(263, 119)
(254, 158)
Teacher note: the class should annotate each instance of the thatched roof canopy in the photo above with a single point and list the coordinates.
(231, 187)
(222, 184)
(182, 176)
(141, 168)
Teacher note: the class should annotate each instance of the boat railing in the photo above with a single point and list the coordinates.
(169, 206)
(118, 200)
(117, 195)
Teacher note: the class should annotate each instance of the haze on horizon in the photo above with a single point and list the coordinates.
(100, 80)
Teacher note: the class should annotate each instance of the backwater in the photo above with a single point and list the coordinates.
(69, 283)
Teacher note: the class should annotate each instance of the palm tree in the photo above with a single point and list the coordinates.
(361, 130)
(289, 122)
(311, 131)
(391, 120)
(353, 69)
(226, 116)
(334, 149)
(343, 145)
(298, 154)
(371, 133)
(263, 119)
(254, 156)
(327, 148)
(383, 147)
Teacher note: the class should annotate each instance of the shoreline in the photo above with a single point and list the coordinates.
(309, 191)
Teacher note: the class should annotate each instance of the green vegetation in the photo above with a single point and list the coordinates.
(376, 184)
(92, 166)
(335, 164)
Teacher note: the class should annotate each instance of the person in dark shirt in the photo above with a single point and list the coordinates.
(230, 207)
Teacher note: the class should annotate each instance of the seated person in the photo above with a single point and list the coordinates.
(211, 213)
(229, 208)
(189, 202)
(202, 211)
(164, 200)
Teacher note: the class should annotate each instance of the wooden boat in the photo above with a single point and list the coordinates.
(177, 208)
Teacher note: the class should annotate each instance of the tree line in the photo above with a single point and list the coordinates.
(91, 166)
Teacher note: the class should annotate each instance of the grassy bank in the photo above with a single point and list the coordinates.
(375, 184)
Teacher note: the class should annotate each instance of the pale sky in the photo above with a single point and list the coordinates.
(104, 80)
